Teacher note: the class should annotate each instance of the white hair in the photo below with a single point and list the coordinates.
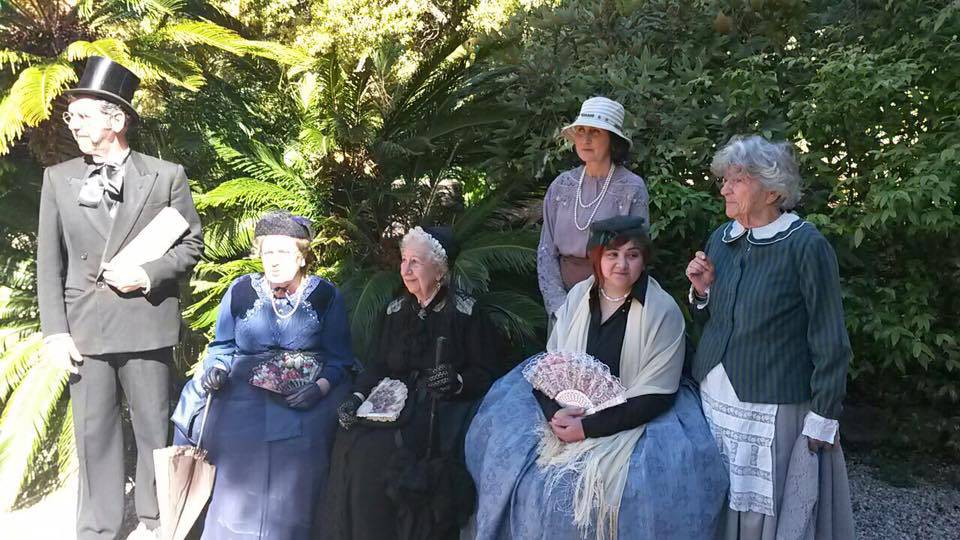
(435, 252)
(772, 163)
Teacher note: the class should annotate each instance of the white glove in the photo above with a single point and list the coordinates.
(61, 350)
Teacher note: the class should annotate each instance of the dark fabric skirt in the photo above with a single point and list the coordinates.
(370, 465)
(272, 461)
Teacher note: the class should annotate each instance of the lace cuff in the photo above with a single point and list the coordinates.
(696, 301)
(820, 428)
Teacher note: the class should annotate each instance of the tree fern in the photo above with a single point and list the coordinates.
(111, 48)
(30, 99)
(15, 59)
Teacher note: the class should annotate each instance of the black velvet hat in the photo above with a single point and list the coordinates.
(108, 80)
(604, 231)
(444, 235)
(283, 223)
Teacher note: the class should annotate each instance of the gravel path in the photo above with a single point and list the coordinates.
(927, 510)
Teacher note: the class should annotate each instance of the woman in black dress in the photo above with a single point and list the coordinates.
(372, 491)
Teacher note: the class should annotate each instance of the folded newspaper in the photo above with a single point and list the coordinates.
(154, 240)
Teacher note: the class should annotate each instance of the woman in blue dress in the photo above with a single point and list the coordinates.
(271, 451)
(645, 469)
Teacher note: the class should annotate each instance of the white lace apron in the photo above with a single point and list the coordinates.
(744, 433)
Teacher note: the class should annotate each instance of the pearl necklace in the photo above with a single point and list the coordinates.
(614, 299)
(273, 301)
(595, 203)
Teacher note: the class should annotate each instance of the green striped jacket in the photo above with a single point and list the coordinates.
(775, 317)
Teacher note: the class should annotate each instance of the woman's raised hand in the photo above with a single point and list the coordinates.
(701, 272)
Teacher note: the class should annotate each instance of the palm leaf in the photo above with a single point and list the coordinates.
(66, 447)
(516, 314)
(19, 355)
(367, 300)
(24, 425)
(511, 252)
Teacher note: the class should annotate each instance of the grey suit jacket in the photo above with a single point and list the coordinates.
(74, 240)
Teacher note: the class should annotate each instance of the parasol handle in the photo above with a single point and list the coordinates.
(206, 411)
(437, 360)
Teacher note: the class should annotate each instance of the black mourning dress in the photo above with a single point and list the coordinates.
(368, 460)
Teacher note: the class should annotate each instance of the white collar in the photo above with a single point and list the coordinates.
(767, 231)
(120, 158)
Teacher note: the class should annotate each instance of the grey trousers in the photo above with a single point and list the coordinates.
(145, 380)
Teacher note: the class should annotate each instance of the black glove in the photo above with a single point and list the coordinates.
(214, 379)
(347, 411)
(305, 397)
(442, 380)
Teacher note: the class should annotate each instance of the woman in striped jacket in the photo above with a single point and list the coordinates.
(773, 357)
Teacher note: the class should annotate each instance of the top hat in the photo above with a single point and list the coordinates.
(602, 113)
(108, 80)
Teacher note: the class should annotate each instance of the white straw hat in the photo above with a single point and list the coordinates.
(599, 112)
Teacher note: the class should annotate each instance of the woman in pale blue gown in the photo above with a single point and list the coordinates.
(537, 479)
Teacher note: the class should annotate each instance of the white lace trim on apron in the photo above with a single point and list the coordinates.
(744, 433)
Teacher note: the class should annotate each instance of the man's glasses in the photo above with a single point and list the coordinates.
(69, 117)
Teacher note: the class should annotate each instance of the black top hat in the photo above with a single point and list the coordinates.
(108, 80)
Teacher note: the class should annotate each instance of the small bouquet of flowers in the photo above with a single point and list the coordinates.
(286, 371)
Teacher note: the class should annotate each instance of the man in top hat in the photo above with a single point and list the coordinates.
(107, 323)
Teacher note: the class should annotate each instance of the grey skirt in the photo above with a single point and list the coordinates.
(811, 491)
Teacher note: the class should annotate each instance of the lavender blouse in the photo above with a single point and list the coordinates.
(559, 236)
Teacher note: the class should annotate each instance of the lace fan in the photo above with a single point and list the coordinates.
(575, 380)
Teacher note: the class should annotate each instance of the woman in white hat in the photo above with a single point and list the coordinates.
(599, 189)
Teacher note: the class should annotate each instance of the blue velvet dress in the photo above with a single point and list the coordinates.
(272, 461)
(675, 488)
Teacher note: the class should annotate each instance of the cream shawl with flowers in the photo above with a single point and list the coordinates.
(651, 361)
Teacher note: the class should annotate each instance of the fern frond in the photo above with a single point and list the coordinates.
(248, 193)
(211, 281)
(187, 32)
(113, 49)
(24, 424)
(17, 58)
(31, 99)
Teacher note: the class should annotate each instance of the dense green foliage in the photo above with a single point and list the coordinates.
(867, 91)
(370, 117)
